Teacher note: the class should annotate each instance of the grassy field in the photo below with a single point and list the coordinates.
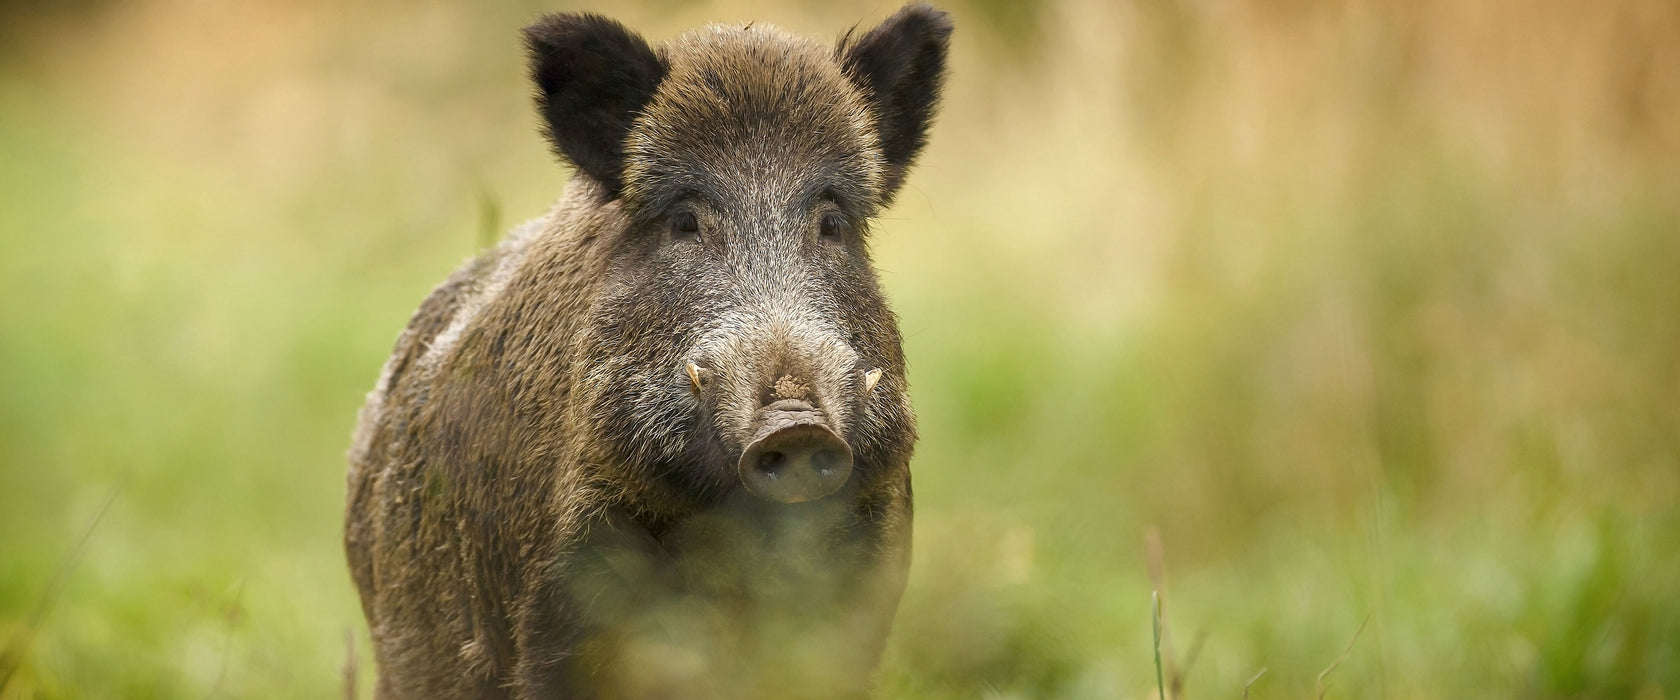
(1319, 319)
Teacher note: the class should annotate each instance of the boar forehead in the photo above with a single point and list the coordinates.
(753, 117)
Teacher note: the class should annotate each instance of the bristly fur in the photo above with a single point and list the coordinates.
(740, 94)
(541, 503)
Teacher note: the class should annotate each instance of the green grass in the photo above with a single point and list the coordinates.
(1391, 342)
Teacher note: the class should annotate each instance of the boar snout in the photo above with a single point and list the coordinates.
(794, 456)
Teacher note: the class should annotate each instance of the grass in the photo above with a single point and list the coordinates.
(1297, 317)
(1155, 609)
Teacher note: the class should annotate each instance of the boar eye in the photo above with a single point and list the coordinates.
(684, 224)
(832, 225)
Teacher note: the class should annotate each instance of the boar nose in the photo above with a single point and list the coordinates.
(794, 456)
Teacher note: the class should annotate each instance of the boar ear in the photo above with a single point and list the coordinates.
(900, 66)
(592, 77)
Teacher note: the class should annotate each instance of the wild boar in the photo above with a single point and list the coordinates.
(657, 442)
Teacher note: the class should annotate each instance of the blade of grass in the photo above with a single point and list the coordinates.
(1340, 659)
(12, 659)
(1155, 606)
(1251, 681)
(350, 665)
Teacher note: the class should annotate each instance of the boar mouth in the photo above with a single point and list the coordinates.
(794, 456)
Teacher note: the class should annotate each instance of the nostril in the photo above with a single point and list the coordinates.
(826, 461)
(770, 463)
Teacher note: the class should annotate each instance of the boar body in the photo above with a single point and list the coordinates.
(657, 442)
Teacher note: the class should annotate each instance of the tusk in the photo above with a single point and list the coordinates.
(698, 375)
(870, 379)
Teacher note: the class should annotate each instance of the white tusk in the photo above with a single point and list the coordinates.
(870, 379)
(697, 376)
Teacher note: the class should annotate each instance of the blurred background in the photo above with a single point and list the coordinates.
(1352, 328)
